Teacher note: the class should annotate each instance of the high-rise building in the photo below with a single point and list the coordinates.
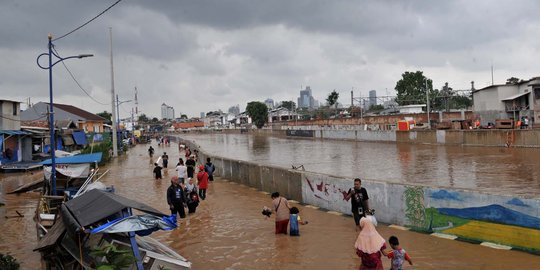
(372, 98)
(269, 103)
(306, 99)
(167, 112)
(235, 110)
(203, 114)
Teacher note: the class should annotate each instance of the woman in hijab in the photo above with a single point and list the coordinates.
(369, 246)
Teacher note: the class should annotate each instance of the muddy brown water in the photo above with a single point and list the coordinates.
(229, 232)
(491, 169)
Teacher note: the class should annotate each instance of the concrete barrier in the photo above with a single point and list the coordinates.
(472, 215)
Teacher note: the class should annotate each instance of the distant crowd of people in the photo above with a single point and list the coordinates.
(189, 185)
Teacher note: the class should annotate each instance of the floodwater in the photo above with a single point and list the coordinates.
(491, 169)
(229, 232)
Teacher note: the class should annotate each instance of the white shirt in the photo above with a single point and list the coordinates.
(182, 171)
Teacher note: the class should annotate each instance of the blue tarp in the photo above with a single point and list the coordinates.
(78, 159)
(142, 225)
(79, 137)
(14, 132)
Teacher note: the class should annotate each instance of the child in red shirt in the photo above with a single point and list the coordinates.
(202, 178)
(397, 255)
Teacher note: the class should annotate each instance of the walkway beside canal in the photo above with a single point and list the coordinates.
(229, 232)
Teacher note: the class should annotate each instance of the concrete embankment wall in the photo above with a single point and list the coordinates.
(503, 219)
(500, 138)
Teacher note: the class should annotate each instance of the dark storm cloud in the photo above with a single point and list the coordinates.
(233, 51)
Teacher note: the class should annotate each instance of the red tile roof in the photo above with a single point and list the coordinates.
(80, 112)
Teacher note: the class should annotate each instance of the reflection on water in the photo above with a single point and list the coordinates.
(491, 169)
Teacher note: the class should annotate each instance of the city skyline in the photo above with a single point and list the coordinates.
(233, 58)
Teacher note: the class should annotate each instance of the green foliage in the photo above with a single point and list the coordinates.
(513, 80)
(143, 118)
(376, 108)
(183, 116)
(332, 98)
(290, 105)
(155, 120)
(258, 113)
(7, 262)
(107, 115)
(411, 89)
(116, 259)
(100, 147)
(414, 203)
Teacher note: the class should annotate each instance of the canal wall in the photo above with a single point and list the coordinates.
(498, 138)
(506, 220)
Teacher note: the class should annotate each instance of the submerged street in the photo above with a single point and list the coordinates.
(229, 232)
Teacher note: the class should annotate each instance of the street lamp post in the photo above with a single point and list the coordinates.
(118, 103)
(52, 140)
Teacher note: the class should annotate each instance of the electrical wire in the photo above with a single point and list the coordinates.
(70, 32)
(77, 82)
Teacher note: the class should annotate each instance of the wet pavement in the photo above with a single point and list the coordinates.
(229, 232)
(491, 169)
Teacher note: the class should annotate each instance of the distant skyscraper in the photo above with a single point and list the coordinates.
(235, 110)
(372, 98)
(167, 112)
(306, 99)
(269, 103)
(203, 114)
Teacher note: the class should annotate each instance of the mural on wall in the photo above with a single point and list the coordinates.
(474, 216)
(415, 211)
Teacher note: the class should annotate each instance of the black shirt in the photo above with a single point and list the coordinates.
(157, 171)
(358, 198)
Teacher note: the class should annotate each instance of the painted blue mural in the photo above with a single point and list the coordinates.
(494, 213)
(446, 195)
(517, 202)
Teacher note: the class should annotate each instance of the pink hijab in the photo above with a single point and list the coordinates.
(369, 240)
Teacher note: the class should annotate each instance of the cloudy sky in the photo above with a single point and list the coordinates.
(208, 55)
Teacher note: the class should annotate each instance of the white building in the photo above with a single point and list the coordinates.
(281, 114)
(505, 101)
(167, 112)
(409, 109)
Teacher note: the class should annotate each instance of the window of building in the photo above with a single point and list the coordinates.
(15, 109)
(537, 93)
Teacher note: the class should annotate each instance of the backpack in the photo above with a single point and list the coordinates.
(209, 168)
(397, 260)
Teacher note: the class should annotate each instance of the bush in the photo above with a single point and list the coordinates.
(8, 263)
(103, 147)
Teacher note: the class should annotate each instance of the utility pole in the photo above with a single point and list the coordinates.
(352, 102)
(427, 99)
(113, 114)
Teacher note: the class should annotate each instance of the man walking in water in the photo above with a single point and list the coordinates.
(359, 202)
(190, 164)
(209, 168)
(176, 198)
(165, 159)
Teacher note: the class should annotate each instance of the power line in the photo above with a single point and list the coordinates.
(70, 32)
(77, 82)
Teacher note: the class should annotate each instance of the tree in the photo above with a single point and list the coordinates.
(143, 118)
(289, 105)
(513, 80)
(107, 115)
(375, 108)
(183, 116)
(411, 89)
(155, 120)
(258, 113)
(332, 99)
